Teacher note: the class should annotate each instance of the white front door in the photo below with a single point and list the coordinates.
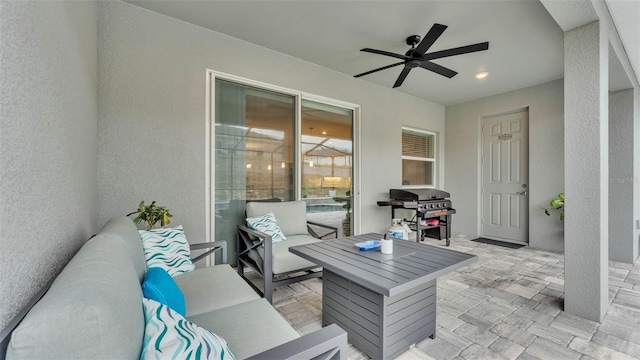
(505, 177)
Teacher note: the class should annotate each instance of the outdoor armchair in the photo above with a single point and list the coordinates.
(273, 261)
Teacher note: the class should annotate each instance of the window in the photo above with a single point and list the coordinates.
(418, 158)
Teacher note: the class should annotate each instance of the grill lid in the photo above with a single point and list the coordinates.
(417, 194)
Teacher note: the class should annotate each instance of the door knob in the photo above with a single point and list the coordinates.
(523, 193)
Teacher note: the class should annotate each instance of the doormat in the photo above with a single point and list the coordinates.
(498, 243)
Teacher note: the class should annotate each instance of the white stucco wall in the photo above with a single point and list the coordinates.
(151, 113)
(623, 234)
(48, 196)
(546, 174)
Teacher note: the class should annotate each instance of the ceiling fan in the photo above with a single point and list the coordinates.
(418, 56)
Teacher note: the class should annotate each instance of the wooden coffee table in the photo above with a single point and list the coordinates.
(386, 303)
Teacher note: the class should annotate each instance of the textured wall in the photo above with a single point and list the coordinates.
(623, 244)
(586, 171)
(151, 71)
(546, 175)
(47, 142)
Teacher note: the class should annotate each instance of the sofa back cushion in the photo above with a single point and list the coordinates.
(127, 230)
(291, 215)
(93, 310)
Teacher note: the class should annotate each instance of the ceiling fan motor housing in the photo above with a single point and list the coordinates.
(413, 40)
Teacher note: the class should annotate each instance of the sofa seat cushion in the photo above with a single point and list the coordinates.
(284, 261)
(249, 328)
(212, 288)
(93, 310)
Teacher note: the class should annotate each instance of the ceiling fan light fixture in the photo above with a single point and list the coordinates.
(482, 75)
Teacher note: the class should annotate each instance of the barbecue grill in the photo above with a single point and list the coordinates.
(429, 205)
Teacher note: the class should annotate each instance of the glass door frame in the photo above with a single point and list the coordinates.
(211, 76)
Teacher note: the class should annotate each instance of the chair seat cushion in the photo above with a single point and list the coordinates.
(268, 328)
(284, 261)
(212, 288)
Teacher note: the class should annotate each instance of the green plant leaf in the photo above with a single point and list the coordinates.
(556, 202)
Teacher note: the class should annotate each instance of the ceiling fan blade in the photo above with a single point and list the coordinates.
(378, 69)
(403, 75)
(446, 72)
(431, 37)
(386, 53)
(456, 51)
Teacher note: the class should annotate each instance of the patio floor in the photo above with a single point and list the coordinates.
(507, 305)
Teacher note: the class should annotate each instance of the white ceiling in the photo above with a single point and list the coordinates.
(525, 43)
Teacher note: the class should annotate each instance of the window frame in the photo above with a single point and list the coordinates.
(433, 160)
(211, 76)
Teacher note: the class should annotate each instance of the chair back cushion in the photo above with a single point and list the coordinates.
(291, 215)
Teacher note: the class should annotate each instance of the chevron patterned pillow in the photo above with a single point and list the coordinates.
(267, 224)
(168, 249)
(168, 335)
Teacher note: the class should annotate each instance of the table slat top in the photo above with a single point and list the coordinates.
(410, 265)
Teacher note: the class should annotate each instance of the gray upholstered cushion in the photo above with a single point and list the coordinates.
(249, 328)
(127, 230)
(291, 215)
(283, 260)
(213, 288)
(93, 309)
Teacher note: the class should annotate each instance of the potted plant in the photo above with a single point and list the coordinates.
(556, 204)
(151, 214)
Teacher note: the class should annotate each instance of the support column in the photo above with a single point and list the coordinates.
(586, 152)
(622, 182)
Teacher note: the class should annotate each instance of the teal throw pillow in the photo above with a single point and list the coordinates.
(159, 285)
(168, 335)
(267, 224)
(168, 249)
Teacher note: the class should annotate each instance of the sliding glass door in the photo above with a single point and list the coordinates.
(271, 145)
(326, 164)
(254, 152)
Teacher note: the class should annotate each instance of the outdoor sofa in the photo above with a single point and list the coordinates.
(94, 309)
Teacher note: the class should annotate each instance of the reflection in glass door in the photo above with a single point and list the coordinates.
(254, 152)
(327, 164)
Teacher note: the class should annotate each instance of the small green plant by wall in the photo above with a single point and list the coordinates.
(151, 215)
(556, 204)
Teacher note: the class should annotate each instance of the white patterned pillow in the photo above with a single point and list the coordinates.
(167, 249)
(267, 224)
(168, 335)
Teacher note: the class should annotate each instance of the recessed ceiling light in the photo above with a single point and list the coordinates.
(482, 75)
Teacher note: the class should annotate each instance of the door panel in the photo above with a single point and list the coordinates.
(505, 165)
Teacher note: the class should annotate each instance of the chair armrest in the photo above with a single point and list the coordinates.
(334, 230)
(214, 246)
(247, 249)
(255, 233)
(325, 343)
